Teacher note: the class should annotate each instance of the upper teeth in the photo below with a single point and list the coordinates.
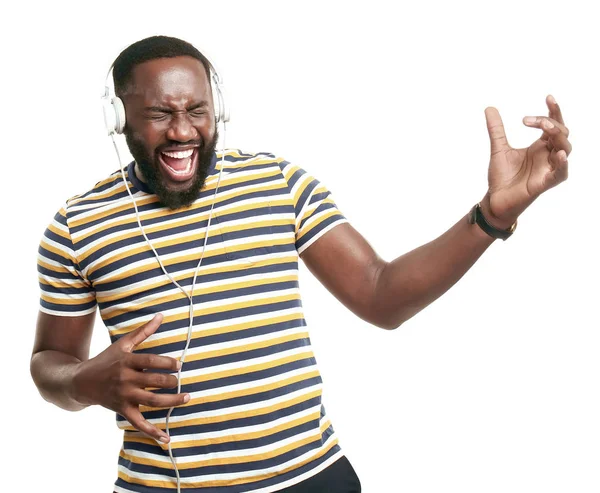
(179, 154)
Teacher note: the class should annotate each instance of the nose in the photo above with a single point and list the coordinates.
(181, 128)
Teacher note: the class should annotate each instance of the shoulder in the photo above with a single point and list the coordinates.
(103, 194)
(235, 160)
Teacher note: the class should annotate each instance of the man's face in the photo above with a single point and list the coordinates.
(170, 127)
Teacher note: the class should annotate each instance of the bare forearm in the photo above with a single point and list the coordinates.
(411, 282)
(53, 374)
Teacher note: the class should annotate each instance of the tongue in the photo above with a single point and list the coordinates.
(176, 163)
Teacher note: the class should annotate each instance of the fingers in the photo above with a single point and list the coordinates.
(541, 122)
(135, 418)
(496, 130)
(142, 333)
(559, 142)
(560, 168)
(554, 110)
(151, 399)
(155, 380)
(555, 133)
(153, 362)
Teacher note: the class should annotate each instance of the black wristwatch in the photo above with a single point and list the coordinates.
(477, 217)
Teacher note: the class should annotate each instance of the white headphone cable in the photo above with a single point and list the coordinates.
(189, 296)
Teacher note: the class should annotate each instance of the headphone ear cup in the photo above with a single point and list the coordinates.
(119, 110)
(114, 115)
(221, 109)
(224, 107)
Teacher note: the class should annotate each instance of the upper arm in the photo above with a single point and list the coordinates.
(348, 267)
(333, 251)
(69, 335)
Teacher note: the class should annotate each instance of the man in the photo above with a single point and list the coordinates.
(210, 368)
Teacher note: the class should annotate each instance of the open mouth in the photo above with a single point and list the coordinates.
(179, 165)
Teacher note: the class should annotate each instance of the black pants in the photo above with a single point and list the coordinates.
(339, 477)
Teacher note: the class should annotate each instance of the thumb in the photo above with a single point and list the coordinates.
(139, 335)
(496, 130)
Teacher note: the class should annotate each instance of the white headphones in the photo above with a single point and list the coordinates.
(114, 109)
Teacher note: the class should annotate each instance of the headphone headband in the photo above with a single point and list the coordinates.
(114, 109)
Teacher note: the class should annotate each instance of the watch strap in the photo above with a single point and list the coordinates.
(477, 217)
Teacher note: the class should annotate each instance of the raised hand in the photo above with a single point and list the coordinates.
(517, 177)
(118, 378)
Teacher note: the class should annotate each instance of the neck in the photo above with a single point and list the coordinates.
(138, 173)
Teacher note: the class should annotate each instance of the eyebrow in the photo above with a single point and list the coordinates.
(164, 109)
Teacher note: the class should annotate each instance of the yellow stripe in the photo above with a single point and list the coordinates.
(149, 199)
(222, 461)
(247, 391)
(251, 413)
(225, 329)
(112, 178)
(68, 301)
(206, 311)
(60, 253)
(126, 205)
(238, 437)
(244, 370)
(184, 275)
(231, 482)
(59, 232)
(196, 237)
(246, 347)
(71, 284)
(305, 231)
(115, 312)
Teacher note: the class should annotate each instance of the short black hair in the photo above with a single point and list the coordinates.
(150, 49)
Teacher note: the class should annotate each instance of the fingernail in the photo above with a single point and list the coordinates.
(548, 124)
(164, 439)
(179, 365)
(551, 98)
(530, 119)
(186, 398)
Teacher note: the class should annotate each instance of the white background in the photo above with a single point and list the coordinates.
(494, 387)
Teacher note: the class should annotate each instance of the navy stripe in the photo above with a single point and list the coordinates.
(241, 488)
(309, 236)
(321, 208)
(240, 422)
(236, 445)
(230, 468)
(209, 297)
(229, 336)
(227, 404)
(187, 281)
(67, 308)
(218, 317)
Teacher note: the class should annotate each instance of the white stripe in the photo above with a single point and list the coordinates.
(230, 476)
(238, 365)
(234, 409)
(204, 307)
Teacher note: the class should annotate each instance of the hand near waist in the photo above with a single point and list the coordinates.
(118, 379)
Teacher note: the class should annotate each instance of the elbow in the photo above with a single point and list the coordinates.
(388, 325)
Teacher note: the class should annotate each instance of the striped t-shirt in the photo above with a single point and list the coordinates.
(255, 421)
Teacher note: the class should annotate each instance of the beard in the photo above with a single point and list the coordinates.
(149, 166)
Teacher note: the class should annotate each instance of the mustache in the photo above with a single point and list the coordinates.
(175, 144)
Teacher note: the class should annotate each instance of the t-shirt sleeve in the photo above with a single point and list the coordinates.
(64, 289)
(314, 207)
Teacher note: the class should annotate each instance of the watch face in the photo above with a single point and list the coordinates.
(473, 214)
